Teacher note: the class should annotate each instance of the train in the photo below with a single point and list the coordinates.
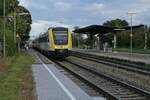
(56, 42)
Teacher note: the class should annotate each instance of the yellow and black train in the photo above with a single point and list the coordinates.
(56, 42)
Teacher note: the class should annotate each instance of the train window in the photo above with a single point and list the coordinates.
(43, 39)
(60, 37)
(47, 39)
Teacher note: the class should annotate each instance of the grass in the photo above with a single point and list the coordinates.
(12, 72)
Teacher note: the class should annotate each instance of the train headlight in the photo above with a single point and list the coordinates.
(61, 51)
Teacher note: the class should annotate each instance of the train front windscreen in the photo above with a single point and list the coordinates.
(60, 37)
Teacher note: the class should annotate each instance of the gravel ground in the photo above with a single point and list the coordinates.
(139, 80)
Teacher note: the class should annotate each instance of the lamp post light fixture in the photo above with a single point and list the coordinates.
(131, 33)
(20, 14)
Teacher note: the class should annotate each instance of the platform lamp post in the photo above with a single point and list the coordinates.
(4, 25)
(131, 33)
(145, 31)
(15, 15)
(17, 35)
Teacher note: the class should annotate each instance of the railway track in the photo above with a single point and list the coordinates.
(89, 90)
(110, 87)
(107, 61)
(107, 85)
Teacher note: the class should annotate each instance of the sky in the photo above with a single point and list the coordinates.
(70, 13)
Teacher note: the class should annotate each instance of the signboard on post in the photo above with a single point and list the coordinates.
(17, 36)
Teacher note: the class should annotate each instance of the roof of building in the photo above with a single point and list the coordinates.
(100, 29)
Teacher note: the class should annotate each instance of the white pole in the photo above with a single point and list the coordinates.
(115, 41)
(18, 46)
(15, 28)
(131, 33)
(145, 30)
(78, 40)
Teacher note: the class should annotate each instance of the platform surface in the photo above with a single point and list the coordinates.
(120, 55)
(53, 85)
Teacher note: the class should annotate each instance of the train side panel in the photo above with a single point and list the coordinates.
(51, 39)
(69, 40)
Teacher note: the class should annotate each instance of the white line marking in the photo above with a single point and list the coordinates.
(57, 80)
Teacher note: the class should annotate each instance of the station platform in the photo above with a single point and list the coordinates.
(51, 84)
(120, 55)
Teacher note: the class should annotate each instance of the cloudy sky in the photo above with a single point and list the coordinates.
(84, 12)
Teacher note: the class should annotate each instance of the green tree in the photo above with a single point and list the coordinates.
(90, 42)
(121, 36)
(116, 22)
(23, 24)
(1, 7)
(10, 6)
(148, 39)
(139, 38)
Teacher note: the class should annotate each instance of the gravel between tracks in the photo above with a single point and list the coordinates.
(107, 85)
(136, 79)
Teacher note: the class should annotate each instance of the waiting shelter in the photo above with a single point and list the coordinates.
(100, 30)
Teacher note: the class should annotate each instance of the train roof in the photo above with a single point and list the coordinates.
(53, 28)
(58, 28)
